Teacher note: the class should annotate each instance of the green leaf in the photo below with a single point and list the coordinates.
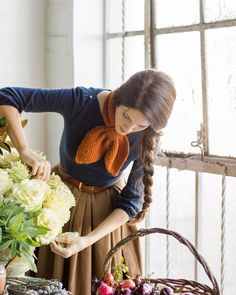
(25, 247)
(34, 231)
(24, 122)
(32, 242)
(15, 222)
(3, 121)
(5, 245)
(18, 235)
(0, 234)
(9, 142)
(5, 146)
(13, 249)
(12, 210)
(3, 134)
(30, 258)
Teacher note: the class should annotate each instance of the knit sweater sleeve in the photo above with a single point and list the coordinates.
(63, 101)
(130, 198)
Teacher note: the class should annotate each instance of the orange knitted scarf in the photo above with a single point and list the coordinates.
(104, 140)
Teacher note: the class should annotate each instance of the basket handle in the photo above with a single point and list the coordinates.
(144, 232)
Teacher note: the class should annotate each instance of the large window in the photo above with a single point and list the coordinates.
(194, 185)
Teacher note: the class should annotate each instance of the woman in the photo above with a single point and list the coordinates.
(103, 132)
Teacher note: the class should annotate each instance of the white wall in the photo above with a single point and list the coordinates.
(22, 54)
(88, 42)
(59, 65)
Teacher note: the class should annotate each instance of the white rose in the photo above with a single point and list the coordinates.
(50, 219)
(30, 193)
(60, 199)
(5, 182)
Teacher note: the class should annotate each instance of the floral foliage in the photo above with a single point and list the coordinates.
(32, 211)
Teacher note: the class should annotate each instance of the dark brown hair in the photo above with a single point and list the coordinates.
(152, 93)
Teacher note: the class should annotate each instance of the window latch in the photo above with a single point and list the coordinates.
(199, 142)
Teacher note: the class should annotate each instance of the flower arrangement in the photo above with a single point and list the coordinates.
(32, 211)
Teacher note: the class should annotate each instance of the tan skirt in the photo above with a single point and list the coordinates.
(76, 272)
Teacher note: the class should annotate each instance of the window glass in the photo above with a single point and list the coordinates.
(134, 55)
(134, 15)
(113, 62)
(176, 13)
(221, 10)
(209, 224)
(179, 56)
(221, 89)
(230, 239)
(181, 209)
(114, 16)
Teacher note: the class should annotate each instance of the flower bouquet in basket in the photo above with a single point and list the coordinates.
(114, 284)
(32, 211)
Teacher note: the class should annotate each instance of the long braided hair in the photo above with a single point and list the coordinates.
(152, 93)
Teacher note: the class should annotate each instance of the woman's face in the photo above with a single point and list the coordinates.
(129, 120)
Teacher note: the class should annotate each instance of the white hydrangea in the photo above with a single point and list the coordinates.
(30, 193)
(5, 182)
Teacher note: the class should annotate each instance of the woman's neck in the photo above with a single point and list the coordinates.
(101, 98)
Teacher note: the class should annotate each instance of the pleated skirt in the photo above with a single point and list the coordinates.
(76, 272)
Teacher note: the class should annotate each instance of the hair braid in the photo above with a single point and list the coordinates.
(148, 154)
(153, 94)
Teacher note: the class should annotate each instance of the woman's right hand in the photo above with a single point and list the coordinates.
(40, 168)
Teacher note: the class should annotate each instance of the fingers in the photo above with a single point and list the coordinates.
(64, 252)
(65, 246)
(64, 240)
(44, 171)
(41, 169)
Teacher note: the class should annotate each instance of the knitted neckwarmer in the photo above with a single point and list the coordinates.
(104, 141)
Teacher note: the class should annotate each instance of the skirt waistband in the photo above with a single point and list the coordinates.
(79, 184)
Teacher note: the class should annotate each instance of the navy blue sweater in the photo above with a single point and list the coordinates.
(81, 112)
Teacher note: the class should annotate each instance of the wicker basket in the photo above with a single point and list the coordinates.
(177, 285)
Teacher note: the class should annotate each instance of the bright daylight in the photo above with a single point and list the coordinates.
(117, 147)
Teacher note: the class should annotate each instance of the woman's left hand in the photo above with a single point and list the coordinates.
(73, 243)
(70, 245)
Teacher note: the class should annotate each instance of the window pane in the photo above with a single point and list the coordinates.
(209, 234)
(158, 218)
(221, 77)
(114, 16)
(176, 13)
(113, 62)
(134, 55)
(219, 10)
(181, 212)
(230, 239)
(179, 56)
(133, 59)
(134, 15)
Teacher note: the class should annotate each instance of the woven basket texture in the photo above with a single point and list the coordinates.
(177, 285)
